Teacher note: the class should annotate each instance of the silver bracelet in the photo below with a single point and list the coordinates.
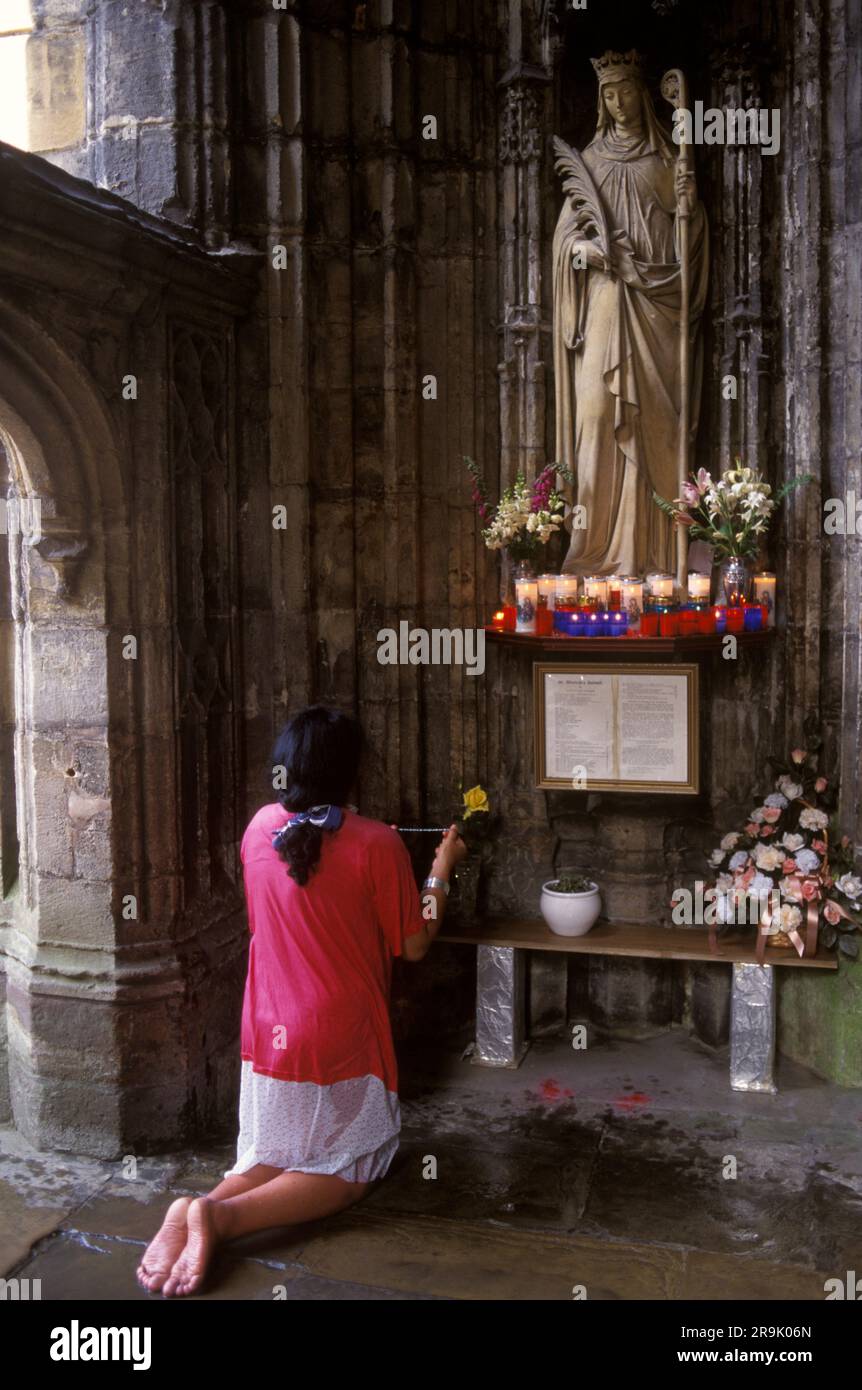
(433, 882)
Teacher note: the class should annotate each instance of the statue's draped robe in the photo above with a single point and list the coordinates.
(616, 360)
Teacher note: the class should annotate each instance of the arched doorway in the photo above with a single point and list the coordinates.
(60, 469)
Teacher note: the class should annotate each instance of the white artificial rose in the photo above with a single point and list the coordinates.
(729, 842)
(792, 842)
(850, 885)
(813, 820)
(792, 790)
(768, 857)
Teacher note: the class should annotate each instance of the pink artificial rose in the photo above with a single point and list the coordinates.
(821, 784)
(819, 845)
(752, 829)
(788, 866)
(771, 814)
(794, 887)
(767, 830)
(831, 913)
(810, 891)
(747, 876)
(798, 755)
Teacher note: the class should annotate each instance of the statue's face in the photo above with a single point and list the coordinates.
(623, 103)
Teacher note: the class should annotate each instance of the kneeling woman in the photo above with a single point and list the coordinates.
(331, 899)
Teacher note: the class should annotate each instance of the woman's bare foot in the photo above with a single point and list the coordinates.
(189, 1270)
(166, 1246)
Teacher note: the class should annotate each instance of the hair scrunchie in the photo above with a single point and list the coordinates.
(324, 817)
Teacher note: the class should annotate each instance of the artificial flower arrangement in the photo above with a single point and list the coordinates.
(526, 516)
(731, 514)
(790, 846)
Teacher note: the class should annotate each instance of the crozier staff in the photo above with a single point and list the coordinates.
(331, 900)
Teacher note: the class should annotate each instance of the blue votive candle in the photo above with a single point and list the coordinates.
(617, 623)
(753, 618)
(720, 618)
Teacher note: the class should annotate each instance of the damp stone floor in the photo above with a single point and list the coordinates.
(629, 1171)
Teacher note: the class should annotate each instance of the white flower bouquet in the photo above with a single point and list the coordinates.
(784, 857)
(731, 514)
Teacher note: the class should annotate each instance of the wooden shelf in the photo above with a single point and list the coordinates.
(626, 648)
(621, 939)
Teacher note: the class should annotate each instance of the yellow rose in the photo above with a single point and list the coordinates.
(475, 800)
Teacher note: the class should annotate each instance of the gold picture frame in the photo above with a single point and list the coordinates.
(663, 736)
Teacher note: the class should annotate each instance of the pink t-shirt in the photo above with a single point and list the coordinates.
(316, 1004)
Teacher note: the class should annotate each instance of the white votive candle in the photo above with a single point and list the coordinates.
(526, 599)
(596, 591)
(660, 586)
(566, 591)
(548, 589)
(632, 592)
(764, 592)
(698, 587)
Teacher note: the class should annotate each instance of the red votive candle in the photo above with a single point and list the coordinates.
(735, 619)
(498, 620)
(705, 620)
(510, 617)
(544, 621)
(688, 622)
(649, 624)
(668, 624)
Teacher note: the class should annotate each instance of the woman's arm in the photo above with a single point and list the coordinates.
(450, 851)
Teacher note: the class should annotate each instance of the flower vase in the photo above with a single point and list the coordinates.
(735, 581)
(464, 899)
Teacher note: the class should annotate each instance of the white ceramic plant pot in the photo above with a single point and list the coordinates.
(570, 914)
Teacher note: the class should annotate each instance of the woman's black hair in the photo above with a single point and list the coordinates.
(319, 750)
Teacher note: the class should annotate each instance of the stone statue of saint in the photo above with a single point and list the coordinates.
(616, 328)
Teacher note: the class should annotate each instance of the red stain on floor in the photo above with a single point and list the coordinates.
(632, 1101)
(551, 1090)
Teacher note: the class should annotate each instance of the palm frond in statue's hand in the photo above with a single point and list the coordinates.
(583, 197)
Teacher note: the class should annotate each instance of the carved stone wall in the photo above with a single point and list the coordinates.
(123, 939)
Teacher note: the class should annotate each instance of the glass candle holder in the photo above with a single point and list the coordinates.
(510, 617)
(720, 616)
(735, 619)
(632, 600)
(595, 624)
(649, 624)
(660, 589)
(617, 623)
(596, 592)
(668, 623)
(526, 601)
(752, 617)
(566, 591)
(547, 590)
(764, 594)
(698, 587)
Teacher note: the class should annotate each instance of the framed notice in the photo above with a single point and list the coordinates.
(617, 727)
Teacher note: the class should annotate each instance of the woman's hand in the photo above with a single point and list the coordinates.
(450, 851)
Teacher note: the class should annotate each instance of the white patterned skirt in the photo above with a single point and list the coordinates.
(349, 1129)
